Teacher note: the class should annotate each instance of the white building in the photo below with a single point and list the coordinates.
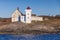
(17, 16)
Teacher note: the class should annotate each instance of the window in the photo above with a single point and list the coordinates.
(27, 13)
(22, 17)
(28, 17)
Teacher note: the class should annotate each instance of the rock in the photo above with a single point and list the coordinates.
(18, 27)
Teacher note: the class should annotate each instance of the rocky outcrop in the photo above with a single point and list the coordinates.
(19, 27)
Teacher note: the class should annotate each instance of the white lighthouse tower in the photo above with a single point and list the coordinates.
(28, 15)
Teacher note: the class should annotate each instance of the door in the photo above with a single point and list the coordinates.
(19, 18)
(24, 18)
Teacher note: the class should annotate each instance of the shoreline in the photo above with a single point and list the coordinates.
(20, 33)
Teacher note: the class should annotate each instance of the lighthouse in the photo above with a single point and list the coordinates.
(28, 15)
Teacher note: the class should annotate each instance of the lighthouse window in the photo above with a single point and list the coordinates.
(28, 14)
(28, 17)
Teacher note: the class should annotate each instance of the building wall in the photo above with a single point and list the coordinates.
(15, 19)
(28, 16)
(35, 18)
(22, 19)
(15, 16)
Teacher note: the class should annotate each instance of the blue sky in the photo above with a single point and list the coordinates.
(39, 7)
